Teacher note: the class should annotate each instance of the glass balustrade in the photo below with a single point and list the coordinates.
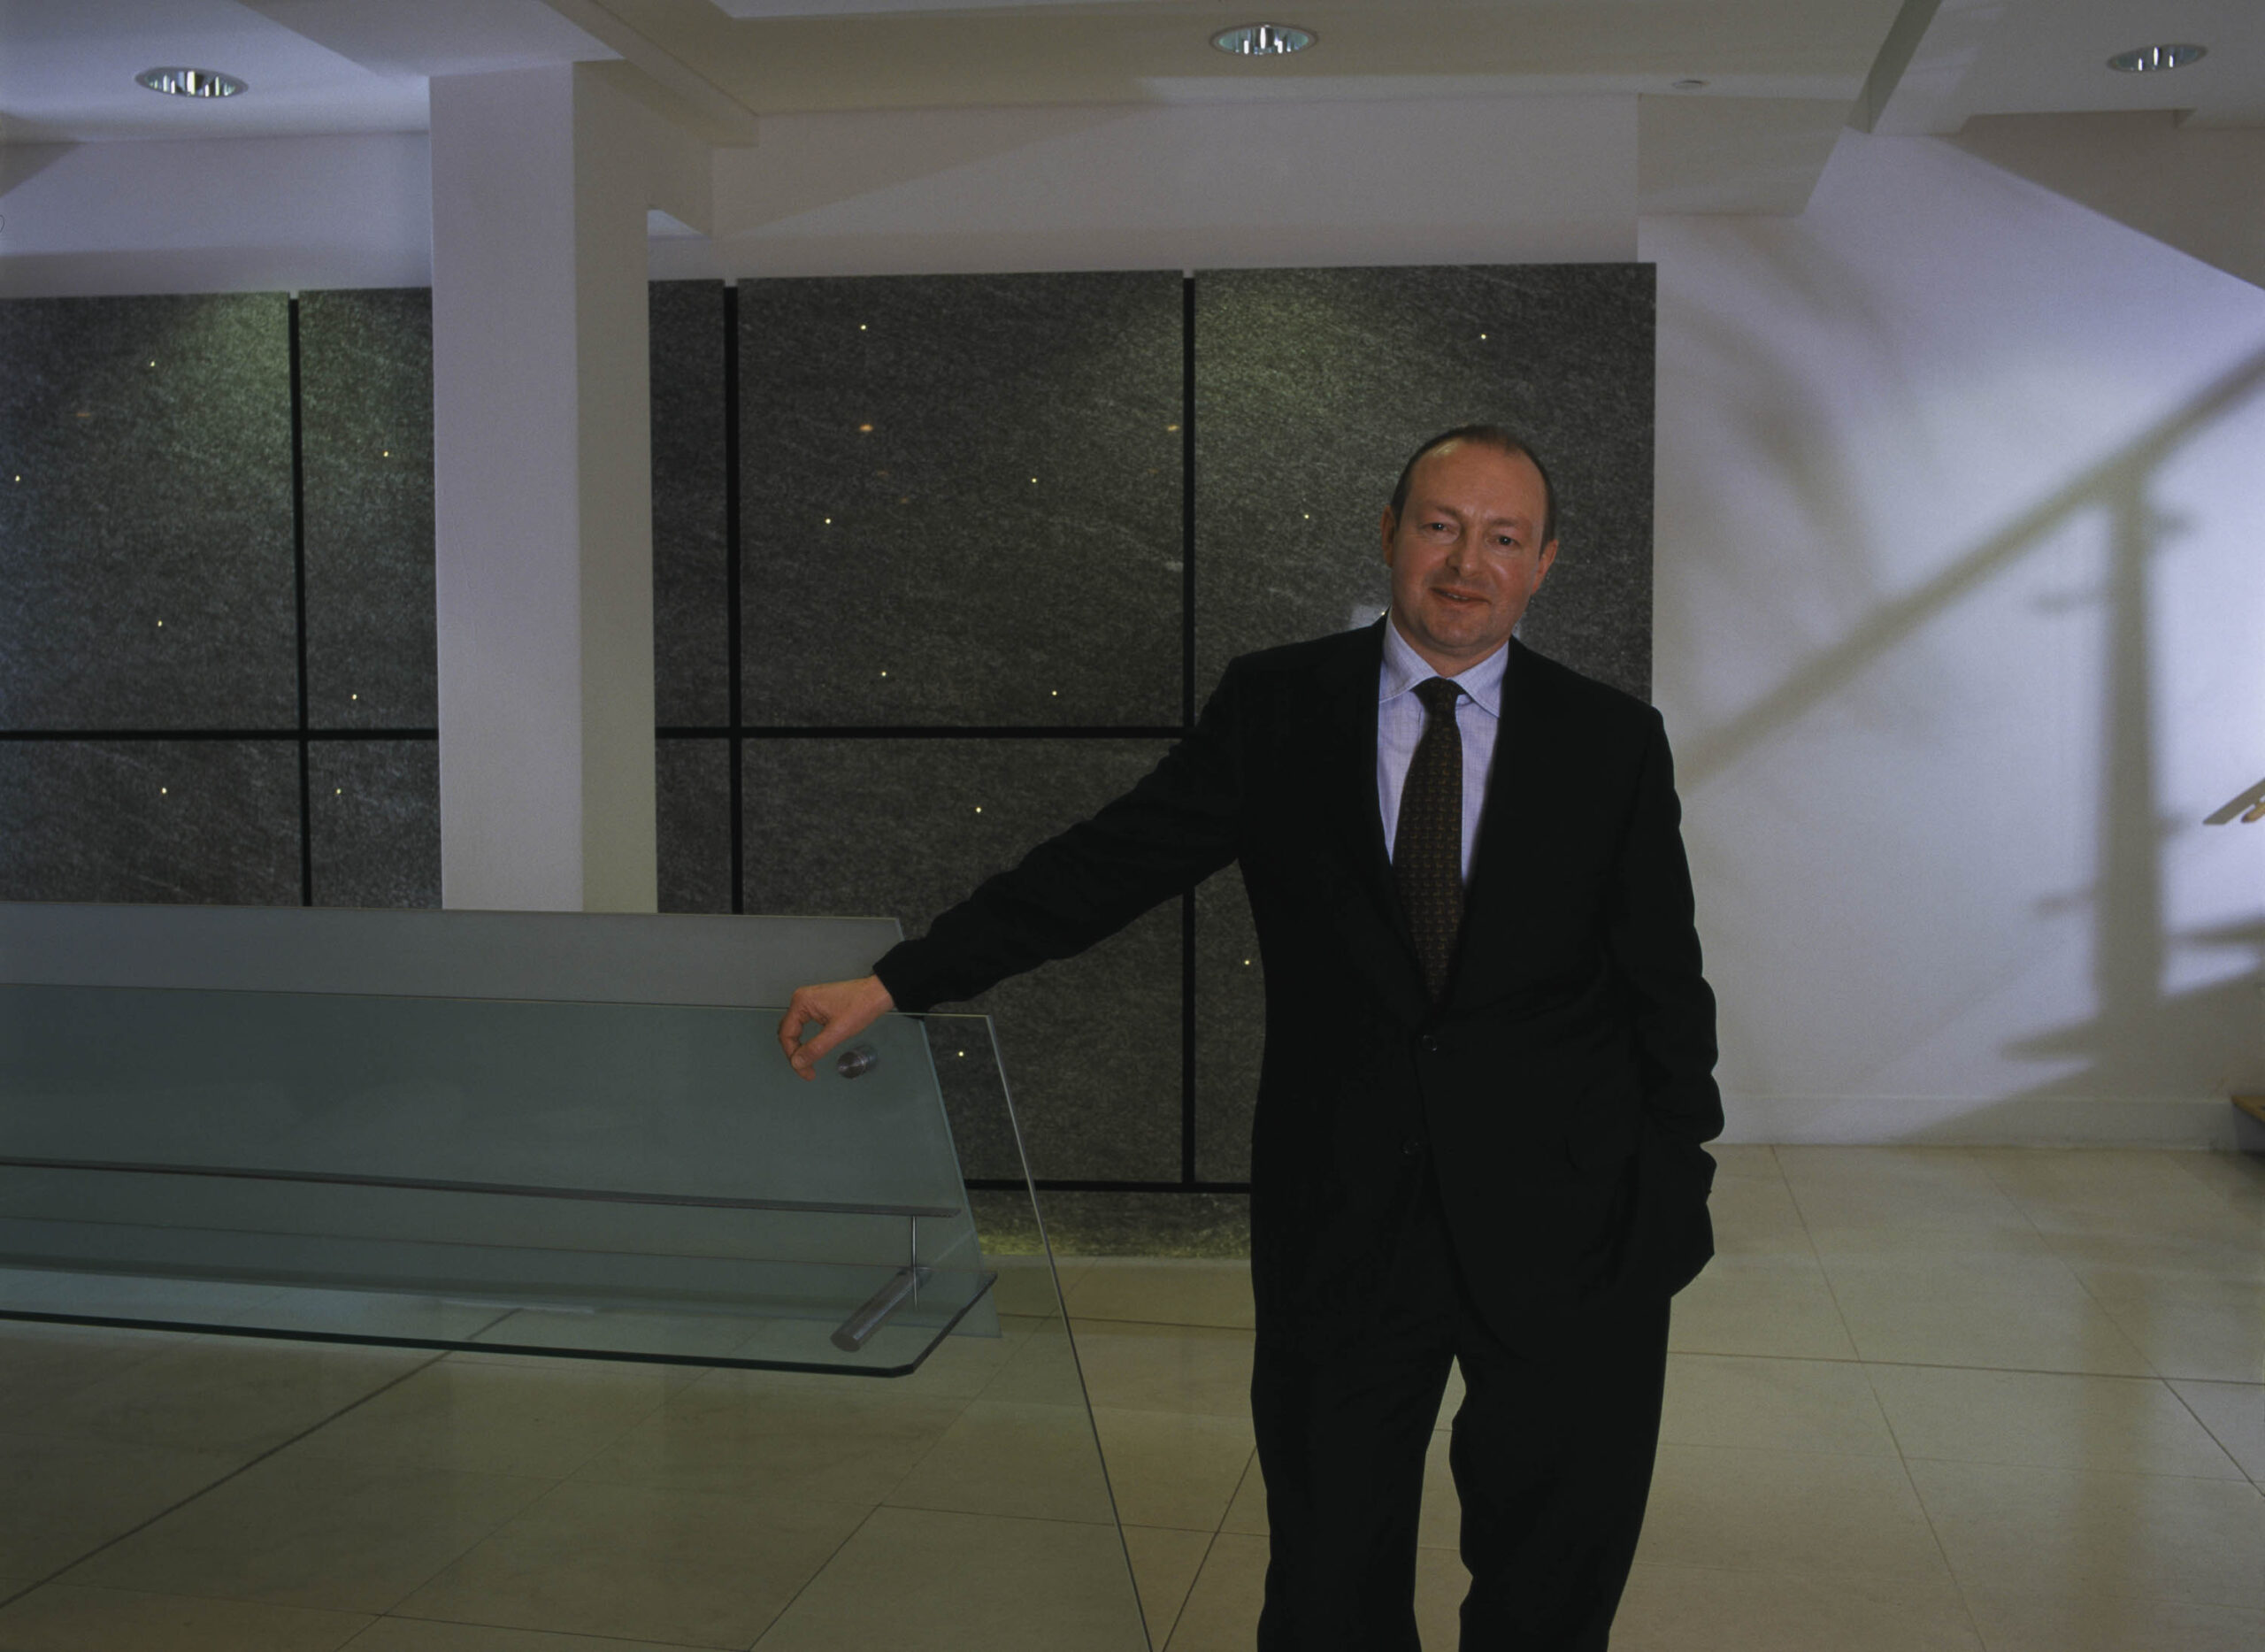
(638, 1178)
(494, 1176)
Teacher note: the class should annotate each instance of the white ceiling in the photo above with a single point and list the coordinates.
(2049, 57)
(1780, 75)
(66, 72)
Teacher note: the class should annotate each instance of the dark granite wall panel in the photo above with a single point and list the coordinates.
(145, 513)
(374, 810)
(1230, 1012)
(968, 1076)
(962, 500)
(365, 387)
(209, 821)
(904, 828)
(1314, 385)
(691, 666)
(693, 784)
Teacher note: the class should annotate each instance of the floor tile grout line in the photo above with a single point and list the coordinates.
(2187, 1406)
(1792, 1359)
(1807, 1453)
(658, 1405)
(2154, 1374)
(964, 1402)
(1934, 1534)
(1902, 1461)
(1249, 1467)
(2090, 1295)
(2021, 1210)
(1026, 1519)
(1946, 1365)
(1201, 1560)
(552, 1483)
(817, 1571)
(1808, 1237)
(1695, 1354)
(2237, 1477)
(242, 1468)
(466, 1623)
(2186, 1160)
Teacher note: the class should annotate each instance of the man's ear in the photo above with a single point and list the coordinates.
(1548, 556)
(1386, 528)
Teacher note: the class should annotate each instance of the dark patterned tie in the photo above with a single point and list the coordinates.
(1427, 849)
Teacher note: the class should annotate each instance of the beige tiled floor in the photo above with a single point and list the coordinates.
(1966, 1400)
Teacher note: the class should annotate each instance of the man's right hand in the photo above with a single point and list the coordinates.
(841, 1009)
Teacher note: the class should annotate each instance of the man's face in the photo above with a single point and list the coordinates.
(1464, 553)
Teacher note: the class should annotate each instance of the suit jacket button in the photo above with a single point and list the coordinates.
(1428, 1044)
(1411, 1149)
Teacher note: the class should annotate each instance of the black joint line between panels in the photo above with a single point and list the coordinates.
(732, 591)
(299, 609)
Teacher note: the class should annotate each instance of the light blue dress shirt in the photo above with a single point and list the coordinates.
(1400, 728)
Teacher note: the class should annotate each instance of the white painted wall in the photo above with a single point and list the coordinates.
(1944, 767)
(2200, 188)
(1439, 181)
(216, 215)
(1435, 181)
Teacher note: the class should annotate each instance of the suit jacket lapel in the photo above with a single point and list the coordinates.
(1383, 946)
(1509, 837)
(1352, 699)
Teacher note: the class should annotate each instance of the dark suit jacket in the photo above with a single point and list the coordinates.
(1563, 1088)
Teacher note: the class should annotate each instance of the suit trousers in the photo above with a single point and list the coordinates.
(1552, 1452)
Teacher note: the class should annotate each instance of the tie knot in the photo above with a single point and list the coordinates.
(1438, 694)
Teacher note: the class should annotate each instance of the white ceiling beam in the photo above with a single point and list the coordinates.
(714, 112)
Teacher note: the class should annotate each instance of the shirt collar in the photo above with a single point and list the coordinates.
(1404, 668)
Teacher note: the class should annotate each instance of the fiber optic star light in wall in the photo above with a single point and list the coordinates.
(1262, 40)
(190, 83)
(2147, 59)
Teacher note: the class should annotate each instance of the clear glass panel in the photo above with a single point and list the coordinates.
(617, 1181)
(591, 1173)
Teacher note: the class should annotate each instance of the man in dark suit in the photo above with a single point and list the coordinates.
(1487, 1071)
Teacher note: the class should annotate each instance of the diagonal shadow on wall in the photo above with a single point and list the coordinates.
(2122, 475)
(2138, 1032)
(19, 163)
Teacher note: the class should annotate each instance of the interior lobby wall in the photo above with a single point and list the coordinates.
(998, 535)
(995, 536)
(216, 593)
(217, 215)
(1370, 181)
(1929, 723)
(1957, 607)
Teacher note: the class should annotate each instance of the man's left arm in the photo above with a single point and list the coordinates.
(1654, 944)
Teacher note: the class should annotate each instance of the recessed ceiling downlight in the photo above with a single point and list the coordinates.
(1262, 40)
(2147, 59)
(190, 83)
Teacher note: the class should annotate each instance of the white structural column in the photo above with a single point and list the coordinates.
(542, 179)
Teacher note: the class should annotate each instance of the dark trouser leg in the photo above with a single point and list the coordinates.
(1553, 1452)
(1343, 1414)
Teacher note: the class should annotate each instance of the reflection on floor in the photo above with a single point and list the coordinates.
(2000, 1399)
